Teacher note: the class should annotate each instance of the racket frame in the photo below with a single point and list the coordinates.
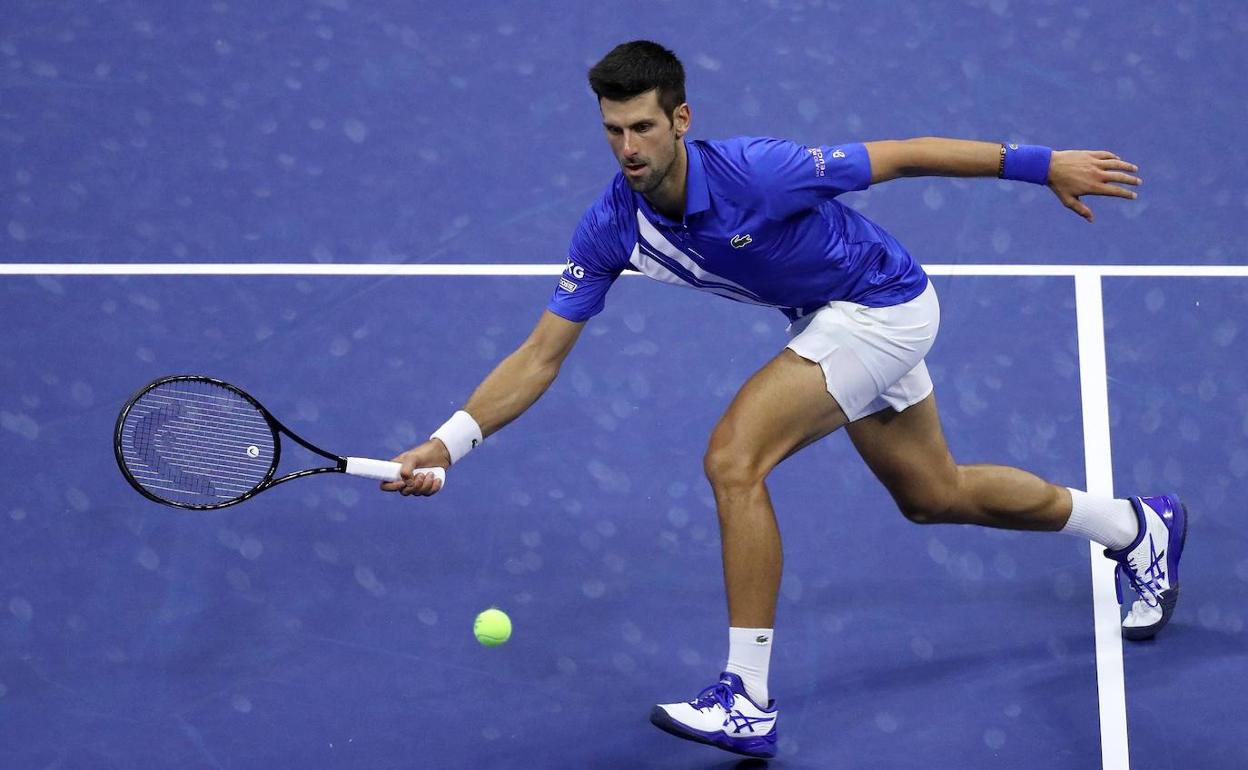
(275, 425)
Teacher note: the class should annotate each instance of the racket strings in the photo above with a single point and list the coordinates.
(196, 443)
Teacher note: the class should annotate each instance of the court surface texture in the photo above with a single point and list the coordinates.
(353, 210)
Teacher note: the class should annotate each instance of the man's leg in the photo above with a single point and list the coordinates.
(1145, 535)
(782, 408)
(907, 452)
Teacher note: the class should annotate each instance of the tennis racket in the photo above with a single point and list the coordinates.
(200, 443)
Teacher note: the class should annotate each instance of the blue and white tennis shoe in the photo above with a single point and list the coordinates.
(724, 716)
(1151, 565)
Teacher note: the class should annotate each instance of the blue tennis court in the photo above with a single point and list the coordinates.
(299, 199)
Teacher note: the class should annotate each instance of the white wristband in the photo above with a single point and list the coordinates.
(461, 434)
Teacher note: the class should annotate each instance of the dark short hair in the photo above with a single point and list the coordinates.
(633, 68)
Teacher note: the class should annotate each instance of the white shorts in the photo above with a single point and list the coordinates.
(872, 357)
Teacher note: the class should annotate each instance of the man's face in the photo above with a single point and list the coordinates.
(643, 138)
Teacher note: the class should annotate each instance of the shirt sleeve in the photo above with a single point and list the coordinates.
(594, 262)
(791, 177)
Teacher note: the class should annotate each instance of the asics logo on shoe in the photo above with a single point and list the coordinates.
(742, 722)
(1154, 573)
(1154, 564)
(1147, 583)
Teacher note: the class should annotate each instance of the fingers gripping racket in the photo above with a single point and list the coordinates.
(200, 443)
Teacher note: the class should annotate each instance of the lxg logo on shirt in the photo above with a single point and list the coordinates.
(575, 270)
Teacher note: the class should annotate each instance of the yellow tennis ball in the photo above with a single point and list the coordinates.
(492, 627)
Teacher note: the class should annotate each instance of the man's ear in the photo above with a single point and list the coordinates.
(682, 117)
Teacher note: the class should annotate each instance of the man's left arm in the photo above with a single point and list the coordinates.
(1069, 173)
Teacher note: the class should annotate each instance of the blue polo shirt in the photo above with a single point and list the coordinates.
(761, 225)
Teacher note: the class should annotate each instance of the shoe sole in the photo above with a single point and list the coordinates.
(1167, 598)
(662, 720)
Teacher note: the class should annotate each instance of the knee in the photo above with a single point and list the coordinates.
(930, 503)
(926, 511)
(731, 467)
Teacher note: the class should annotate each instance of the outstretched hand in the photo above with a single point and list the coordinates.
(428, 455)
(1074, 173)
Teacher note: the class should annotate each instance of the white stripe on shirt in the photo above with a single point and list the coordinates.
(655, 269)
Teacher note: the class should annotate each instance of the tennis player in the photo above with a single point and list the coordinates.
(757, 220)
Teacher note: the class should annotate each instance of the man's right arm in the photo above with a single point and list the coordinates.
(510, 389)
(522, 377)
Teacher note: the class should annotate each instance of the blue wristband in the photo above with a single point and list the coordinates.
(1025, 163)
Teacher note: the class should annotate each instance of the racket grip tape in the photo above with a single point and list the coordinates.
(384, 470)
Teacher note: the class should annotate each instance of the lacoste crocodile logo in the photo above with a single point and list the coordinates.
(738, 241)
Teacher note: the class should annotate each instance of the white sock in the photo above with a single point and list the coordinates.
(749, 657)
(1112, 523)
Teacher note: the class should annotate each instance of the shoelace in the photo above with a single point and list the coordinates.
(717, 694)
(1146, 590)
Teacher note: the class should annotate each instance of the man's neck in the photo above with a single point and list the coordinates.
(669, 197)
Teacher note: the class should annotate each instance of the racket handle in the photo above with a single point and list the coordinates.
(384, 470)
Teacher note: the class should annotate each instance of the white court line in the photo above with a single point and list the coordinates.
(347, 268)
(274, 268)
(1098, 464)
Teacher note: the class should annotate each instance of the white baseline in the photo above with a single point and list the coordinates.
(469, 269)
